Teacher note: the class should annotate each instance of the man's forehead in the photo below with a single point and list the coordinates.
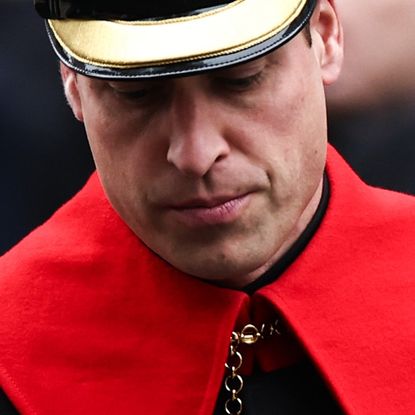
(188, 38)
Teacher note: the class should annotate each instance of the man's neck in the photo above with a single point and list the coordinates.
(301, 233)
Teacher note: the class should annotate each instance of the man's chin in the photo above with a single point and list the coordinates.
(232, 271)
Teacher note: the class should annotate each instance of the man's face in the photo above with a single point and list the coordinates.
(216, 173)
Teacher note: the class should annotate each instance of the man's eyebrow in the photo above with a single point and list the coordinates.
(132, 83)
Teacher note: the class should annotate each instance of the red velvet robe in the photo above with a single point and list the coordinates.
(92, 322)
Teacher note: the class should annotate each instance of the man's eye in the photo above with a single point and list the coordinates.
(135, 95)
(241, 84)
(139, 92)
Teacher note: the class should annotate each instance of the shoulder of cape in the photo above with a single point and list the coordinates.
(350, 295)
(371, 209)
(76, 221)
(86, 307)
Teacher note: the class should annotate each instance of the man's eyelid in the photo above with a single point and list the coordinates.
(246, 70)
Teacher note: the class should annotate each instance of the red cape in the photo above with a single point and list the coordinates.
(92, 322)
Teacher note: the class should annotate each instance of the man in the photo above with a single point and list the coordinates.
(217, 263)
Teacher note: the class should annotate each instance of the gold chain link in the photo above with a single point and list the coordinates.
(234, 383)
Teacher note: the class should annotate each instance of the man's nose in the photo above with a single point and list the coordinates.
(197, 139)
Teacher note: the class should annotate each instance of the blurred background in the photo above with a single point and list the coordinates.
(372, 106)
(44, 157)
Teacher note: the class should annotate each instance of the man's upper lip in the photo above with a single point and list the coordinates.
(211, 202)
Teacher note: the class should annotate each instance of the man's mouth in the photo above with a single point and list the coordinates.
(213, 211)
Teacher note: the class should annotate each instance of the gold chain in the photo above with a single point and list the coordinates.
(234, 383)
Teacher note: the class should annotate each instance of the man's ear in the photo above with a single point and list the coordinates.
(70, 84)
(327, 34)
